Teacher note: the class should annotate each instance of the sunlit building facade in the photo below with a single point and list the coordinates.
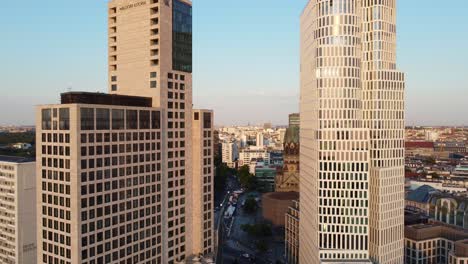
(118, 168)
(352, 133)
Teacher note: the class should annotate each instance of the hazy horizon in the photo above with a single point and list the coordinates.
(246, 67)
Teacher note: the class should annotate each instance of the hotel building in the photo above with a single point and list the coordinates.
(17, 210)
(352, 134)
(122, 189)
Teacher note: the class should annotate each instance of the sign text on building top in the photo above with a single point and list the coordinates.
(126, 7)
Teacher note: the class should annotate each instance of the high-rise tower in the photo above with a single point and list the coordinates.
(117, 170)
(352, 124)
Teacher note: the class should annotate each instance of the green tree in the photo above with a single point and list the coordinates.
(257, 230)
(23, 137)
(262, 246)
(250, 205)
(246, 179)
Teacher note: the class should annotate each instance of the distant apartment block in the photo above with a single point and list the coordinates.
(17, 210)
(229, 153)
(259, 140)
(246, 155)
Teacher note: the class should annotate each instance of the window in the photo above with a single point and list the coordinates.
(144, 119)
(46, 119)
(206, 120)
(153, 74)
(114, 87)
(87, 118)
(153, 84)
(182, 36)
(102, 119)
(196, 116)
(118, 119)
(156, 118)
(132, 119)
(113, 78)
(64, 119)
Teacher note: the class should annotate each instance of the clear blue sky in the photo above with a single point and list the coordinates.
(246, 57)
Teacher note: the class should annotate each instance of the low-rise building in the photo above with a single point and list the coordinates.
(291, 232)
(246, 155)
(444, 207)
(265, 176)
(432, 243)
(450, 146)
(275, 205)
(421, 148)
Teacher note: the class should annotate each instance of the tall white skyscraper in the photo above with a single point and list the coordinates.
(352, 133)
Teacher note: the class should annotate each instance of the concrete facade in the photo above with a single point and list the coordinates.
(17, 210)
(202, 183)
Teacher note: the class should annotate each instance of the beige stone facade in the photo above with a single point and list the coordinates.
(100, 172)
(352, 133)
(120, 187)
(202, 183)
(17, 210)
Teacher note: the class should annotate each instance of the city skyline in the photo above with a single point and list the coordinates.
(72, 37)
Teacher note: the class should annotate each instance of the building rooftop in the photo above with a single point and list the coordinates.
(421, 194)
(283, 195)
(14, 159)
(427, 231)
(105, 99)
(419, 144)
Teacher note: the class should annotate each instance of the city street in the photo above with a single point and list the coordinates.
(233, 242)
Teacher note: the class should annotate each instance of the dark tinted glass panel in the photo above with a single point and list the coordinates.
(102, 119)
(118, 119)
(156, 117)
(87, 118)
(144, 119)
(46, 119)
(206, 120)
(64, 119)
(132, 119)
(181, 36)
